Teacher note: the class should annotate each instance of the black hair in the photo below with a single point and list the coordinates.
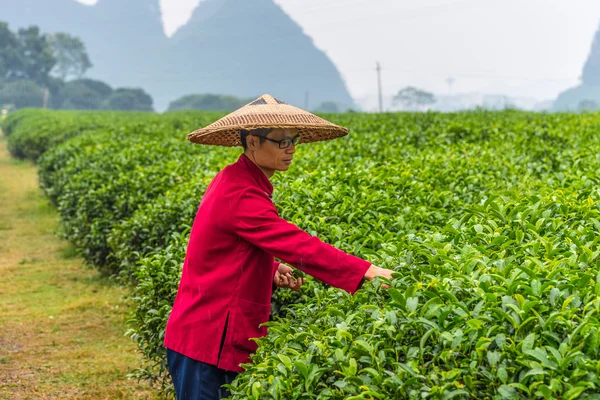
(260, 132)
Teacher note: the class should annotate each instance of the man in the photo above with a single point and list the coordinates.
(229, 269)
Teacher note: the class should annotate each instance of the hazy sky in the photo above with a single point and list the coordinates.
(526, 48)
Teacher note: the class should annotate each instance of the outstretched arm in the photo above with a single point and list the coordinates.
(257, 222)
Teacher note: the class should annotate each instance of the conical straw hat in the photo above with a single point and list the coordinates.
(266, 112)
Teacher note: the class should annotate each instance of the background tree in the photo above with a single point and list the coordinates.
(22, 94)
(25, 55)
(82, 94)
(411, 97)
(37, 55)
(588, 105)
(327, 107)
(71, 56)
(128, 99)
(215, 102)
(97, 86)
(11, 58)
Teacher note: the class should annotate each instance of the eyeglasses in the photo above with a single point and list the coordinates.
(283, 143)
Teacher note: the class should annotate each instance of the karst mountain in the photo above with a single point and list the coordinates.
(234, 47)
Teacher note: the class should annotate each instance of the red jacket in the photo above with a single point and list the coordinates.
(229, 268)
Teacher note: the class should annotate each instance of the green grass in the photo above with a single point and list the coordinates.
(61, 323)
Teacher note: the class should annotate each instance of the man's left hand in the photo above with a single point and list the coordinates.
(284, 278)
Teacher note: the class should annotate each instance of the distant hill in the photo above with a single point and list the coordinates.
(239, 48)
(591, 70)
(589, 89)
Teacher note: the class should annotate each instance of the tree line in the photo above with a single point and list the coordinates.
(47, 71)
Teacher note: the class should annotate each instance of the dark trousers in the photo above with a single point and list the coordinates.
(196, 380)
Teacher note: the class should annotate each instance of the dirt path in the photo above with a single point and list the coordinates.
(61, 325)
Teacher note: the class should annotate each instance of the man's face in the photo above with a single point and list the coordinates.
(268, 155)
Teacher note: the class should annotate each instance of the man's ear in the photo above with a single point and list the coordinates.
(255, 140)
(250, 143)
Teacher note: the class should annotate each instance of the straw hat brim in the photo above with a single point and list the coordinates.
(266, 112)
(230, 136)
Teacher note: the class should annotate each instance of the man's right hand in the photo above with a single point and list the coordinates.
(375, 271)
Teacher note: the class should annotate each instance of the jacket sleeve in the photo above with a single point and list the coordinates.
(256, 221)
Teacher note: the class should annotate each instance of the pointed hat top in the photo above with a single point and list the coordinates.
(266, 112)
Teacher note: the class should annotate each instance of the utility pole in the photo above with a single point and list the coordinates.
(378, 68)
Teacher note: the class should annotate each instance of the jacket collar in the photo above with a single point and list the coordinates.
(259, 177)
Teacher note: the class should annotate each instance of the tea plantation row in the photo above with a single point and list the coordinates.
(491, 220)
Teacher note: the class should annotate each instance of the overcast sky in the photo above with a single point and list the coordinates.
(525, 48)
